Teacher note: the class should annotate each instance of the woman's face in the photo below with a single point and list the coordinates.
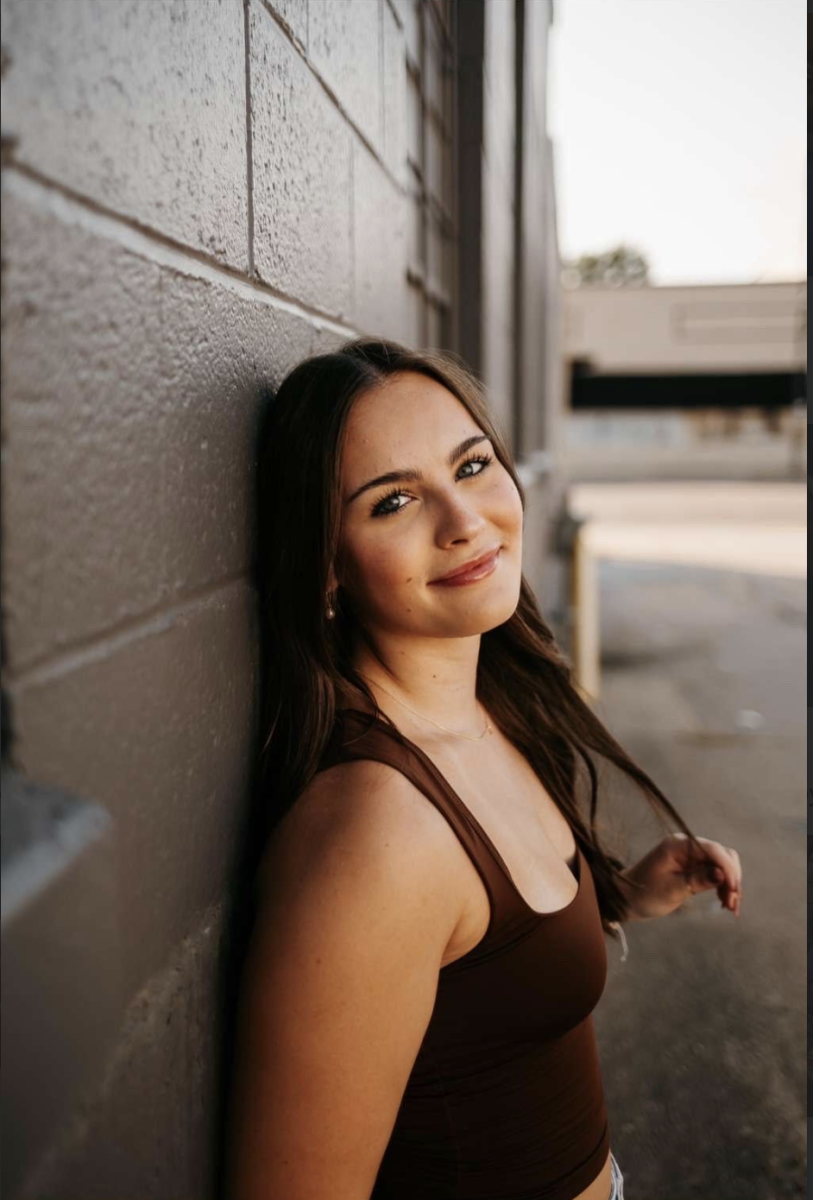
(399, 537)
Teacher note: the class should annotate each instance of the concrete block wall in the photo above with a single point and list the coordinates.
(539, 381)
(517, 350)
(499, 146)
(60, 929)
(196, 195)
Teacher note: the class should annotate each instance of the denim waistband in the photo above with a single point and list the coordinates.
(617, 1179)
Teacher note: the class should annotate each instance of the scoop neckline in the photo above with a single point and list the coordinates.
(444, 782)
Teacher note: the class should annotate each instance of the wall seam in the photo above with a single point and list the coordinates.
(101, 643)
(6, 713)
(283, 24)
(382, 79)
(71, 207)
(395, 13)
(249, 141)
(517, 339)
(470, 159)
(334, 99)
(351, 173)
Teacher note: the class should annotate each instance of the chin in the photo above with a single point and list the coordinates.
(506, 613)
(483, 617)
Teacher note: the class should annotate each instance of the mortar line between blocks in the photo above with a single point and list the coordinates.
(101, 643)
(249, 141)
(50, 197)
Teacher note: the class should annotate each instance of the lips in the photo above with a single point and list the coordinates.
(475, 568)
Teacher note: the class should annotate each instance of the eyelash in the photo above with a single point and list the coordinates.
(485, 459)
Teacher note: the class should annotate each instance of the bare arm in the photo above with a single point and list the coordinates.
(339, 987)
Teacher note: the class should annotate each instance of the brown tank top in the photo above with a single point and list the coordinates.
(505, 1098)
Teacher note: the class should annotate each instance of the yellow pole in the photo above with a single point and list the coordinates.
(585, 600)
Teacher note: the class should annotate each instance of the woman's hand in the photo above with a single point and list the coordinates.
(672, 871)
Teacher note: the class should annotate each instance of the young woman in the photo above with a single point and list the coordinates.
(415, 1018)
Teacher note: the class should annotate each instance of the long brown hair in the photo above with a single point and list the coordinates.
(523, 678)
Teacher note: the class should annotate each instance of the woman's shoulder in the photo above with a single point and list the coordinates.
(356, 807)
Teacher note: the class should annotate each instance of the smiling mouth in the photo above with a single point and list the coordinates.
(480, 570)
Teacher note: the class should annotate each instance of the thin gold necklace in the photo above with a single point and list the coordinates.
(453, 732)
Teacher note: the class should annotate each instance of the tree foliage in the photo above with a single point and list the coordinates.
(621, 266)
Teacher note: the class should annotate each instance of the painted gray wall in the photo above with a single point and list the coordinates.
(196, 195)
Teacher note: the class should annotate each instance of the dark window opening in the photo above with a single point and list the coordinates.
(774, 390)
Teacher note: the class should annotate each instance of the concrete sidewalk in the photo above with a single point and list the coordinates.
(702, 1030)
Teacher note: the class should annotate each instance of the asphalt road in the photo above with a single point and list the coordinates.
(703, 1029)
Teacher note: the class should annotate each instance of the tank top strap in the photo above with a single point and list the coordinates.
(358, 735)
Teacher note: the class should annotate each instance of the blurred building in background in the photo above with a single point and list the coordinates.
(705, 382)
(196, 196)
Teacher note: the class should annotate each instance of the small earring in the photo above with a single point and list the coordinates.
(331, 611)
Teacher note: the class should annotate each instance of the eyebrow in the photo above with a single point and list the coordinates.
(411, 474)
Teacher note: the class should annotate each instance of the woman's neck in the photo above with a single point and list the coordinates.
(435, 685)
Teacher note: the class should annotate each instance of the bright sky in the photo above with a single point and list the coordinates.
(680, 127)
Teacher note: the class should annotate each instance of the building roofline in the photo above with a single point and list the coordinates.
(682, 287)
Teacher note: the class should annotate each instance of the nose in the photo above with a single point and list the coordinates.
(458, 521)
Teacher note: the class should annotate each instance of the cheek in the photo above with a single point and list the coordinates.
(385, 564)
(506, 498)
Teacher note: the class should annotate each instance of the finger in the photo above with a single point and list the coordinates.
(737, 867)
(736, 884)
(727, 860)
(735, 893)
(722, 873)
(721, 869)
(703, 880)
